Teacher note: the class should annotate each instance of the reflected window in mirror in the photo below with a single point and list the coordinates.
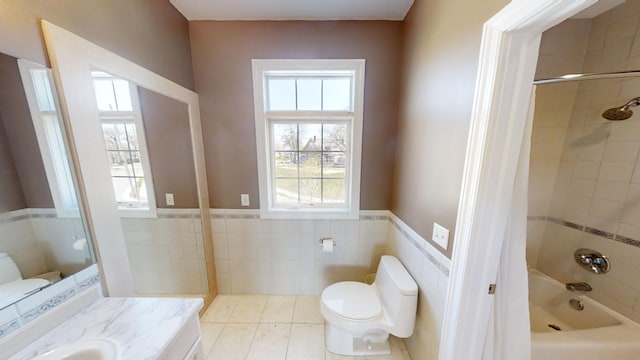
(123, 133)
(38, 85)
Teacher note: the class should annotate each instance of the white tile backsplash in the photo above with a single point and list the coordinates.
(166, 253)
(18, 315)
(256, 256)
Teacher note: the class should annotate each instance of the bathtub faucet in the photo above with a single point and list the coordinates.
(580, 286)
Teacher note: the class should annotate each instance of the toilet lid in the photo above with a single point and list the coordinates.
(352, 300)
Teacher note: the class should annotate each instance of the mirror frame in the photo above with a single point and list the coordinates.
(72, 59)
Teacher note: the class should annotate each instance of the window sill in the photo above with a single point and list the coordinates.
(135, 213)
(310, 214)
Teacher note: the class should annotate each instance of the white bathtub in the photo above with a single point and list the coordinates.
(594, 333)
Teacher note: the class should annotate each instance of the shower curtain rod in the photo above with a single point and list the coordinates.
(588, 76)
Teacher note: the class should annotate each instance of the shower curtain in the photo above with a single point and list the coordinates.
(508, 333)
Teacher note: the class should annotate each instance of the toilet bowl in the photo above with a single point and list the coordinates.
(12, 286)
(360, 317)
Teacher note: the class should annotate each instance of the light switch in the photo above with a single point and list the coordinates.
(440, 236)
(170, 201)
(244, 199)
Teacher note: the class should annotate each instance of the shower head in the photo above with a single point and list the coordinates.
(621, 113)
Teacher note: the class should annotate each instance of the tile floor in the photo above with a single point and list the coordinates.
(269, 327)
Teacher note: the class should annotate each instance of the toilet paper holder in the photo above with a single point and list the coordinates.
(326, 238)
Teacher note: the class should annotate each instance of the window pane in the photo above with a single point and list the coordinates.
(335, 137)
(120, 163)
(285, 137)
(281, 94)
(310, 191)
(123, 96)
(137, 163)
(42, 87)
(336, 94)
(333, 191)
(125, 190)
(132, 136)
(310, 165)
(309, 94)
(310, 137)
(115, 136)
(286, 164)
(333, 165)
(105, 95)
(286, 190)
(142, 192)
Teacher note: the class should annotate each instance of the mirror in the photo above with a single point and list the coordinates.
(42, 235)
(147, 139)
(153, 245)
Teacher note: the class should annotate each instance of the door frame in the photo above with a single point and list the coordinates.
(507, 63)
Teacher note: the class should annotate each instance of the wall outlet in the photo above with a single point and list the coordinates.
(440, 236)
(170, 200)
(244, 199)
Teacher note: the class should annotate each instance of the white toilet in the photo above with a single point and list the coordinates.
(13, 287)
(360, 317)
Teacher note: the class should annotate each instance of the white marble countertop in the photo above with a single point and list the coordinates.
(141, 327)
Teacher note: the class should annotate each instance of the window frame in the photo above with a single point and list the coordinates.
(133, 116)
(261, 68)
(51, 142)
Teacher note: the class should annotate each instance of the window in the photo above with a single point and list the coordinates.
(309, 135)
(37, 82)
(123, 134)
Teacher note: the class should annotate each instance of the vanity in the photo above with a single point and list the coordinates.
(140, 328)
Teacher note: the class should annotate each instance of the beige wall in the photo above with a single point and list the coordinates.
(441, 50)
(222, 53)
(166, 127)
(22, 141)
(151, 33)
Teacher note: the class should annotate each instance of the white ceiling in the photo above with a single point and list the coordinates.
(293, 9)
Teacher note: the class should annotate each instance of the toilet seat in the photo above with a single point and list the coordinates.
(353, 301)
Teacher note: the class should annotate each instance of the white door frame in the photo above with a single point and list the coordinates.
(508, 57)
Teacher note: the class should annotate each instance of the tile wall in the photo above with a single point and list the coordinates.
(562, 51)
(596, 195)
(430, 269)
(255, 256)
(45, 241)
(166, 253)
(18, 315)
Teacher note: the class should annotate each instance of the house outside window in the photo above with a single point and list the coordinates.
(309, 133)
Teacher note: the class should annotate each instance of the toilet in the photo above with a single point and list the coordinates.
(8, 270)
(13, 287)
(360, 317)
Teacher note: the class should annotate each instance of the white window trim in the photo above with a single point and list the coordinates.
(136, 113)
(60, 180)
(260, 68)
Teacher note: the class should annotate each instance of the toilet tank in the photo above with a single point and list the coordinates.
(8, 270)
(399, 294)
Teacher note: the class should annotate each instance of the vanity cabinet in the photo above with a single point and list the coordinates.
(141, 328)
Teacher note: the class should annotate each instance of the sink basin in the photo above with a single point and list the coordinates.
(87, 349)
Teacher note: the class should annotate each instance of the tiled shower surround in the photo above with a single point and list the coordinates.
(585, 179)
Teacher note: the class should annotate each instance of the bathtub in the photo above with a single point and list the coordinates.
(558, 331)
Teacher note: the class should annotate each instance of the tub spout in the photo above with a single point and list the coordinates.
(581, 286)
